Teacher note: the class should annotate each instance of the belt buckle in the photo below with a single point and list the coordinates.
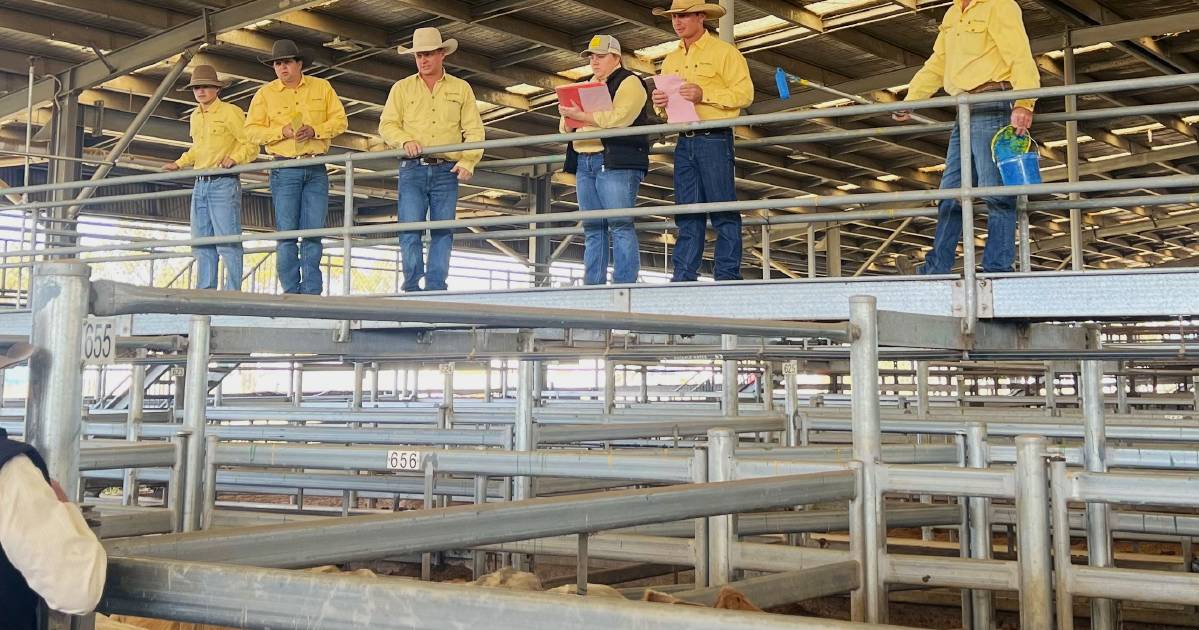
(690, 134)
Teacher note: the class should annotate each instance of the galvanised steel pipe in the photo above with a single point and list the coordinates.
(607, 546)
(1147, 83)
(936, 572)
(133, 424)
(367, 537)
(764, 523)
(979, 517)
(867, 449)
(1162, 587)
(113, 298)
(1032, 506)
(54, 416)
(568, 433)
(660, 466)
(269, 599)
(722, 529)
(195, 402)
(780, 589)
(1165, 489)
(1062, 566)
(1099, 537)
(137, 455)
(891, 453)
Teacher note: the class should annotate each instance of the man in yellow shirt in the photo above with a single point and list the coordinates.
(218, 141)
(296, 116)
(716, 79)
(429, 109)
(981, 47)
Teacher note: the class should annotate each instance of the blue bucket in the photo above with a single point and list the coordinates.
(1016, 167)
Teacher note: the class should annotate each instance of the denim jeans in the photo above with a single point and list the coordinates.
(427, 192)
(1000, 251)
(603, 189)
(216, 211)
(703, 173)
(301, 198)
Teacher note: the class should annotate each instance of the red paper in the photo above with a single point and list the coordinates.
(579, 94)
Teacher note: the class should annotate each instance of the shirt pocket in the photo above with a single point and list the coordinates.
(972, 37)
(449, 110)
(315, 111)
(706, 71)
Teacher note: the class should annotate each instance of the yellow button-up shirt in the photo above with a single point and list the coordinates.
(217, 133)
(720, 69)
(626, 105)
(447, 114)
(984, 43)
(313, 102)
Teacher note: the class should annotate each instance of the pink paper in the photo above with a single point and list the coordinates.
(678, 109)
(595, 99)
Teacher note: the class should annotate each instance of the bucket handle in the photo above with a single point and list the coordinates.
(995, 140)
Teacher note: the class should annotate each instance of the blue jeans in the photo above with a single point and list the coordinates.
(427, 193)
(602, 189)
(1000, 251)
(216, 211)
(301, 198)
(703, 173)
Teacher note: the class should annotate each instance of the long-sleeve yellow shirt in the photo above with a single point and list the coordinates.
(217, 132)
(720, 69)
(447, 114)
(626, 105)
(984, 43)
(313, 102)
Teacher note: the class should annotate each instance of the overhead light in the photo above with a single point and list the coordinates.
(343, 45)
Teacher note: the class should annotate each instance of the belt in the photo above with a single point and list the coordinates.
(297, 157)
(707, 132)
(991, 86)
(202, 178)
(427, 161)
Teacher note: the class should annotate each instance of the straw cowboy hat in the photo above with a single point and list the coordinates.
(16, 353)
(710, 11)
(429, 39)
(283, 49)
(204, 76)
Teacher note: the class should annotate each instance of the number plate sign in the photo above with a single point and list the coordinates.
(790, 367)
(100, 339)
(403, 460)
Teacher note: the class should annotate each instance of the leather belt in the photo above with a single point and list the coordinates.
(212, 177)
(427, 161)
(297, 157)
(706, 132)
(991, 86)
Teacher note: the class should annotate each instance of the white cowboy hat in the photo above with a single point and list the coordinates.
(429, 39)
(710, 11)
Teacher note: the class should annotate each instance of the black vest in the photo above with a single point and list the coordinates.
(630, 152)
(19, 611)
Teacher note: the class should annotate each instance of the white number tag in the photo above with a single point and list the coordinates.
(403, 460)
(99, 341)
(790, 367)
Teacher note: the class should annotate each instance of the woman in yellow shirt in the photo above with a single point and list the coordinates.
(609, 171)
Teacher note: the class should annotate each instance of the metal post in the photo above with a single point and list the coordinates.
(722, 530)
(1077, 262)
(297, 384)
(426, 559)
(210, 470)
(766, 259)
(922, 389)
(727, 20)
(1024, 235)
(375, 382)
(1050, 388)
(1099, 538)
(699, 473)
(347, 246)
(356, 392)
(867, 449)
(609, 391)
(969, 282)
(644, 395)
(811, 250)
(447, 394)
(523, 438)
(1032, 496)
(1121, 389)
(832, 250)
(177, 481)
(479, 559)
(790, 403)
(766, 386)
(195, 400)
(1061, 543)
(133, 423)
(979, 509)
(54, 419)
(729, 396)
(581, 569)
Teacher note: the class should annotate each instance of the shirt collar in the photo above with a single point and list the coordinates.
(279, 87)
(213, 106)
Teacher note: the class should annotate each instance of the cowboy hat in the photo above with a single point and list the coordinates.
(710, 11)
(204, 76)
(16, 353)
(429, 39)
(283, 49)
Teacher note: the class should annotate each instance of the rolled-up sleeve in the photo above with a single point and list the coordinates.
(48, 541)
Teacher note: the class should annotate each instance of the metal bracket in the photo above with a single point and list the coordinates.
(959, 299)
(104, 60)
(622, 300)
(986, 299)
